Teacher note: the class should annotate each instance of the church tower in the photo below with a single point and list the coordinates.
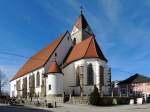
(81, 29)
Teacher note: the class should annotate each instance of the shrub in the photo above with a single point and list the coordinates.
(95, 97)
(123, 100)
(105, 101)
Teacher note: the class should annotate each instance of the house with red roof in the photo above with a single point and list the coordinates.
(72, 64)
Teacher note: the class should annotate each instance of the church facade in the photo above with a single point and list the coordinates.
(72, 64)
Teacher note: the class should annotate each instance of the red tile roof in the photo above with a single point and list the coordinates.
(39, 59)
(54, 68)
(85, 49)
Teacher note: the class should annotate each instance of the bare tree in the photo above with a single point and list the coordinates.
(3, 81)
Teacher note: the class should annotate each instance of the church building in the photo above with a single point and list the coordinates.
(73, 64)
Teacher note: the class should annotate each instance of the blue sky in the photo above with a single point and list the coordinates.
(122, 29)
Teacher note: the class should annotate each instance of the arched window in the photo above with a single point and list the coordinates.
(37, 79)
(31, 85)
(90, 75)
(78, 76)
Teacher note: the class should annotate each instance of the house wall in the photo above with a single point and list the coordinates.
(69, 78)
(138, 88)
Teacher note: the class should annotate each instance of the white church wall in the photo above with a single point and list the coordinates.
(56, 82)
(69, 78)
(88, 90)
(13, 91)
(41, 72)
(80, 34)
(76, 33)
(37, 89)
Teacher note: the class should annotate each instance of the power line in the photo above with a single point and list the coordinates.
(40, 59)
(18, 55)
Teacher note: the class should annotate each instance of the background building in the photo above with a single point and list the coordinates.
(136, 85)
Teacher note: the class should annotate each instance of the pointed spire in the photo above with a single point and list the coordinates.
(81, 29)
(81, 22)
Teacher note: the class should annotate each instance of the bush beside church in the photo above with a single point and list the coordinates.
(96, 99)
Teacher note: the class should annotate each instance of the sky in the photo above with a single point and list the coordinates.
(122, 29)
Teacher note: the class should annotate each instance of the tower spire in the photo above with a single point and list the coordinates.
(81, 30)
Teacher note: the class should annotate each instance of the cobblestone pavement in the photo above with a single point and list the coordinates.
(7, 108)
(88, 108)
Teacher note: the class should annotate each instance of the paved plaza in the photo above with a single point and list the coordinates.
(78, 108)
(8, 108)
(88, 108)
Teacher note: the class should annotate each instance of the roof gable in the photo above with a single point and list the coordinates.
(137, 78)
(85, 49)
(39, 59)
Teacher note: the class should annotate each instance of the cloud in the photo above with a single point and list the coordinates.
(51, 8)
(112, 9)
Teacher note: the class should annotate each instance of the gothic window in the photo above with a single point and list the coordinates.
(78, 76)
(24, 86)
(49, 87)
(31, 85)
(31, 81)
(101, 71)
(90, 75)
(18, 85)
(37, 79)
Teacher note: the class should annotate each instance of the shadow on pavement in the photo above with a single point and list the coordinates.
(7, 108)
